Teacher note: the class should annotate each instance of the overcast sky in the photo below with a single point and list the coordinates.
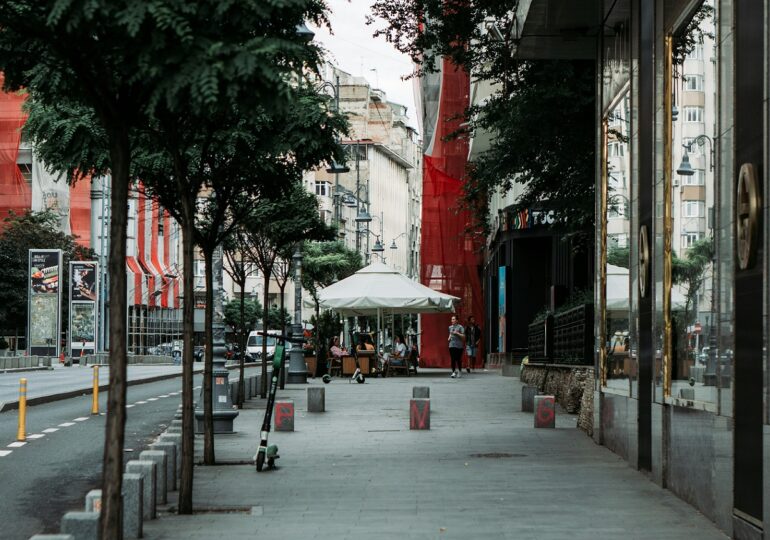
(353, 49)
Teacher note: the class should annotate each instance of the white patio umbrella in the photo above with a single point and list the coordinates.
(618, 290)
(378, 287)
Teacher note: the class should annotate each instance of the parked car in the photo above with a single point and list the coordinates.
(254, 344)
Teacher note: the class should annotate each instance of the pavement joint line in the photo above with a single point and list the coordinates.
(80, 419)
(4, 453)
(17, 444)
(51, 430)
(36, 436)
(67, 424)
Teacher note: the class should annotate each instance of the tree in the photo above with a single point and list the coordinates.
(323, 263)
(275, 226)
(233, 249)
(31, 230)
(690, 272)
(128, 63)
(540, 115)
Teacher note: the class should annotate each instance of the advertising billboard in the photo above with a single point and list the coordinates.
(501, 309)
(84, 295)
(44, 305)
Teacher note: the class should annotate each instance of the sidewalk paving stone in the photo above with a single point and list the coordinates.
(482, 471)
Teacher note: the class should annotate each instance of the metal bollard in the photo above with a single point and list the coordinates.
(21, 435)
(95, 400)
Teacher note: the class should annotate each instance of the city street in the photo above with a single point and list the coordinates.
(67, 379)
(52, 472)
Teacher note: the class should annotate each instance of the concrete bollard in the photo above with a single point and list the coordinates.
(419, 413)
(545, 412)
(94, 501)
(234, 391)
(149, 483)
(528, 394)
(169, 449)
(176, 422)
(81, 525)
(52, 537)
(175, 438)
(421, 392)
(316, 399)
(161, 462)
(284, 415)
(687, 393)
(133, 505)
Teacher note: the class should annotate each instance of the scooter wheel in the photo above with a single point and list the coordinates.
(360, 379)
(260, 461)
(327, 379)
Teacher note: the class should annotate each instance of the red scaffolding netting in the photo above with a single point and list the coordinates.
(15, 193)
(80, 210)
(449, 261)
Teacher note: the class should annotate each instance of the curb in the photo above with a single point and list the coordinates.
(21, 370)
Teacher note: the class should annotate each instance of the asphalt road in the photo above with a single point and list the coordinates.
(63, 379)
(62, 458)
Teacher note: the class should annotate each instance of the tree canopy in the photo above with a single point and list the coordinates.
(539, 116)
(20, 233)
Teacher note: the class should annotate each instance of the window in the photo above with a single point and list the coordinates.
(689, 238)
(693, 209)
(696, 53)
(616, 149)
(697, 179)
(26, 172)
(617, 182)
(323, 189)
(618, 240)
(693, 83)
(199, 268)
(618, 207)
(693, 114)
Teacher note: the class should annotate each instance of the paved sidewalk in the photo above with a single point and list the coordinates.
(482, 471)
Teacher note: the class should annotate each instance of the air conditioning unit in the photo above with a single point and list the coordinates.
(676, 182)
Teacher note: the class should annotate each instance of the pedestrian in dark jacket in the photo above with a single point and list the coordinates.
(472, 339)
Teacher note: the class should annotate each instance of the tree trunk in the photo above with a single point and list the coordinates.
(265, 312)
(242, 347)
(208, 361)
(188, 315)
(112, 466)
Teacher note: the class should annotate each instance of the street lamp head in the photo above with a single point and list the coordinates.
(378, 247)
(393, 244)
(685, 169)
(363, 216)
(337, 168)
(304, 33)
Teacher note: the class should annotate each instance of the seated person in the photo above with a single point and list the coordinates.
(334, 348)
(365, 345)
(398, 357)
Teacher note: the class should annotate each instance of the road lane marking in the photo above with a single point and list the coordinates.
(140, 403)
(152, 399)
(36, 436)
(51, 430)
(129, 406)
(163, 396)
(4, 453)
(67, 424)
(17, 444)
(81, 419)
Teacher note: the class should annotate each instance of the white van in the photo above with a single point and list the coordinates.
(254, 344)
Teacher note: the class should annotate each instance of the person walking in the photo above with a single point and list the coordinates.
(472, 339)
(456, 342)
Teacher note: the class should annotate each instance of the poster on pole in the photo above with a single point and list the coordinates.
(44, 304)
(501, 309)
(84, 295)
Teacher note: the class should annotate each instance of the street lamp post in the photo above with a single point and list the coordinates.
(222, 404)
(297, 367)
